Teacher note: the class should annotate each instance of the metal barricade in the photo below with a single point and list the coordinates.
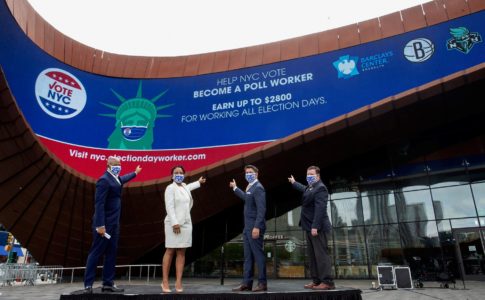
(29, 274)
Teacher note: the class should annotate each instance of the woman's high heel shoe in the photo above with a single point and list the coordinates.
(164, 290)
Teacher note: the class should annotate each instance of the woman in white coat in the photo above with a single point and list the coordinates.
(178, 225)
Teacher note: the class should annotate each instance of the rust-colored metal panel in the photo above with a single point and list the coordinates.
(252, 156)
(20, 12)
(313, 133)
(68, 50)
(290, 49)
(237, 58)
(336, 124)
(76, 58)
(118, 63)
(178, 66)
(413, 18)
(382, 106)
(191, 65)
(164, 67)
(140, 67)
(308, 45)
(49, 39)
(430, 89)
(435, 12)
(31, 16)
(456, 8)
(358, 116)
(475, 73)
(221, 61)
(233, 163)
(254, 56)
(328, 41)
(292, 141)
(39, 31)
(58, 45)
(271, 52)
(206, 63)
(98, 60)
(370, 30)
(88, 60)
(406, 98)
(215, 169)
(348, 36)
(391, 24)
(476, 5)
(453, 81)
(272, 149)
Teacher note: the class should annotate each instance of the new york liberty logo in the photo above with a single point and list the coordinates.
(462, 40)
(135, 120)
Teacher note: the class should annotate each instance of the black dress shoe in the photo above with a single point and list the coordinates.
(112, 289)
(262, 287)
(87, 290)
(242, 288)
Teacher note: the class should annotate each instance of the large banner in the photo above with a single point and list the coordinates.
(196, 121)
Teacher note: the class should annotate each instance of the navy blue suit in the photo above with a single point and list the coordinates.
(254, 217)
(107, 209)
(314, 215)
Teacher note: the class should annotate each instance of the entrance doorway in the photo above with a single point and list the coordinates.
(470, 248)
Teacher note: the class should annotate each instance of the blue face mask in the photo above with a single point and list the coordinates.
(133, 133)
(250, 177)
(178, 178)
(116, 170)
(311, 179)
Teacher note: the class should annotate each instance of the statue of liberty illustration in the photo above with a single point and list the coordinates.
(135, 120)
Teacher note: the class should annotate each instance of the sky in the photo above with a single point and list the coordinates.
(184, 27)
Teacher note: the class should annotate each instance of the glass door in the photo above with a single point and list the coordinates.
(470, 245)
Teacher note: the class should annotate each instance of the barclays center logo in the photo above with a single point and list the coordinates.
(60, 94)
(346, 66)
(419, 50)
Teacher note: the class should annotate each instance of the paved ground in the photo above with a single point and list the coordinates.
(474, 290)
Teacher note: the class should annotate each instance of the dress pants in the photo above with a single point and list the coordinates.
(102, 247)
(319, 259)
(253, 252)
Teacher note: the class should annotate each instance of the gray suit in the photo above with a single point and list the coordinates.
(254, 217)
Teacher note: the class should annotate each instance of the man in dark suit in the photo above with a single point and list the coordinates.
(107, 208)
(316, 224)
(254, 198)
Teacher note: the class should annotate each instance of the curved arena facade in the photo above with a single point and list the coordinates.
(391, 109)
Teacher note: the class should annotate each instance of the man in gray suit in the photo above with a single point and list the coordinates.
(316, 224)
(254, 198)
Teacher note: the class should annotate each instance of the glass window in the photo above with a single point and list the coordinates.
(453, 202)
(343, 195)
(414, 206)
(464, 223)
(350, 253)
(479, 194)
(287, 221)
(347, 212)
(290, 255)
(383, 245)
(379, 207)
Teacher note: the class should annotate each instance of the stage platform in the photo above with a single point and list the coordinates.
(279, 289)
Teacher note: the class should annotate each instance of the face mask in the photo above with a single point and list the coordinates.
(178, 178)
(133, 133)
(116, 170)
(311, 179)
(250, 177)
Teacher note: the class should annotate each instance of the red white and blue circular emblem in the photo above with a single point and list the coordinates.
(60, 94)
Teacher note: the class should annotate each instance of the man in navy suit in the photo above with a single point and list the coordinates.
(316, 224)
(106, 223)
(254, 198)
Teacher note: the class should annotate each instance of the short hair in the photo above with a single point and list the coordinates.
(317, 169)
(181, 167)
(111, 159)
(251, 167)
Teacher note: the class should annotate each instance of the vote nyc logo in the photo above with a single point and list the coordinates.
(60, 94)
(419, 50)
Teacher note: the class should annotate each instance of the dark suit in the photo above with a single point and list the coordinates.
(314, 215)
(107, 208)
(254, 217)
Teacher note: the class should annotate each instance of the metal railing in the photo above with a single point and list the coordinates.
(33, 274)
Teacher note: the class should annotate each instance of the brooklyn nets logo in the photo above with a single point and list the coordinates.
(419, 50)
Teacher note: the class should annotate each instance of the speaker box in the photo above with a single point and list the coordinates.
(403, 278)
(385, 276)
